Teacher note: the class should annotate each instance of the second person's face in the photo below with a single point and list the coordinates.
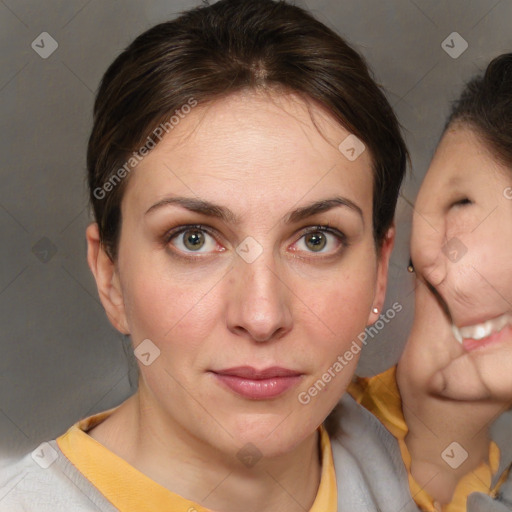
(462, 238)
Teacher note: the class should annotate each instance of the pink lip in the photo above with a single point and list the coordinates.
(255, 384)
(493, 339)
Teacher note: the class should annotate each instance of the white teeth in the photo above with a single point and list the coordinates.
(480, 331)
(477, 332)
(456, 333)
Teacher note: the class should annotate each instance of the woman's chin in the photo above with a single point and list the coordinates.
(269, 436)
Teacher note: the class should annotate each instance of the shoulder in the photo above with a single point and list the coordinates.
(479, 502)
(368, 464)
(46, 481)
(370, 472)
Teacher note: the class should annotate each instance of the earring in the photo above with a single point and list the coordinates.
(375, 310)
(410, 267)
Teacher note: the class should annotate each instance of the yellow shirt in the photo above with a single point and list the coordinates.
(380, 395)
(128, 489)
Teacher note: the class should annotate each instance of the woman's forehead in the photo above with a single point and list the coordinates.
(277, 120)
(252, 144)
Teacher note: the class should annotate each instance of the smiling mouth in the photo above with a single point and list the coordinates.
(479, 332)
(477, 335)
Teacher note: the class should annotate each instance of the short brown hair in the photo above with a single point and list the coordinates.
(213, 51)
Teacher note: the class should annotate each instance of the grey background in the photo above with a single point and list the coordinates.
(60, 358)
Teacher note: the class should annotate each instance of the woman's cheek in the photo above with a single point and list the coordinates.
(346, 315)
(154, 306)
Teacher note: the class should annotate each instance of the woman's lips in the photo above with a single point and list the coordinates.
(486, 333)
(258, 384)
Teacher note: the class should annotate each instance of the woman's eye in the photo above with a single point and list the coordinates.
(320, 240)
(193, 239)
(197, 239)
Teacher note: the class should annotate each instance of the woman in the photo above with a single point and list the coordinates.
(454, 375)
(244, 170)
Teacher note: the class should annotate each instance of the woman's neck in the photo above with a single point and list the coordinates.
(171, 456)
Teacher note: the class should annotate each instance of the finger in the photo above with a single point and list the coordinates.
(460, 380)
(476, 376)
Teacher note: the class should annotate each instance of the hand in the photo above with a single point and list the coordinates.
(456, 374)
(479, 375)
(431, 346)
(434, 414)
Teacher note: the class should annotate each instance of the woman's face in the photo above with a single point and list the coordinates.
(462, 238)
(247, 245)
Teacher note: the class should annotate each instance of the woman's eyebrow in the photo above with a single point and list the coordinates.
(225, 214)
(320, 207)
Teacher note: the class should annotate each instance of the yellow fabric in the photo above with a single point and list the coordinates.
(128, 489)
(380, 395)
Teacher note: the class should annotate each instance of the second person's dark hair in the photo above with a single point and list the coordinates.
(486, 106)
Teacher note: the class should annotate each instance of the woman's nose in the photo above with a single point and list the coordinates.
(259, 305)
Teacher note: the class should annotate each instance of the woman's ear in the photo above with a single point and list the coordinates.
(382, 274)
(107, 279)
